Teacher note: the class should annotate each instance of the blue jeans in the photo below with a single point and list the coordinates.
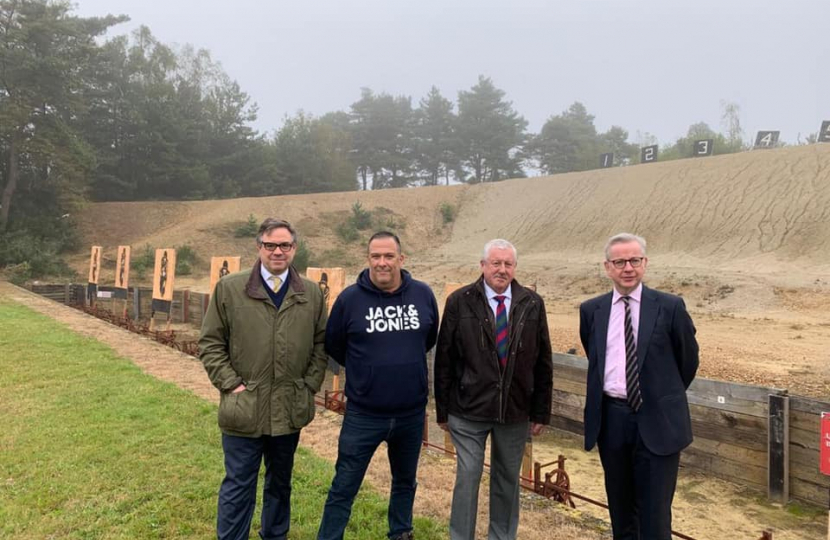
(359, 438)
(237, 495)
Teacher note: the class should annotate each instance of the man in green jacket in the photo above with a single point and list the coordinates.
(262, 346)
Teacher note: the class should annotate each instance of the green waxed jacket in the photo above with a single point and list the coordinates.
(277, 355)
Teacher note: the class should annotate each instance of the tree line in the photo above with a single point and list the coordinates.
(128, 118)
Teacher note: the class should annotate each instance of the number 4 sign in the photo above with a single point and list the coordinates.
(766, 139)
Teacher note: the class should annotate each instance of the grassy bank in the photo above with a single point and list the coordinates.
(90, 447)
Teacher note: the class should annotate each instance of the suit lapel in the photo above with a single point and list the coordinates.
(603, 313)
(477, 302)
(649, 310)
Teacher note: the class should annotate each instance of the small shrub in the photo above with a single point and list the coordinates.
(361, 218)
(386, 219)
(302, 256)
(447, 212)
(18, 273)
(249, 229)
(186, 259)
(28, 256)
(144, 259)
(391, 224)
(347, 232)
(336, 257)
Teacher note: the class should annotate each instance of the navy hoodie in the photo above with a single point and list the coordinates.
(382, 340)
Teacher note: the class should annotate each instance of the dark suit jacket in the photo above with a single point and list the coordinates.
(667, 353)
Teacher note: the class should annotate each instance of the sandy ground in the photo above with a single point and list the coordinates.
(744, 238)
(705, 508)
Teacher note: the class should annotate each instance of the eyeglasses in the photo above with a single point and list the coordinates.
(285, 247)
(635, 262)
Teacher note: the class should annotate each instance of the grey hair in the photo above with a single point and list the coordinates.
(624, 238)
(501, 244)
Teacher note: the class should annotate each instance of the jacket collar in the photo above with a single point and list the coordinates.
(519, 293)
(254, 287)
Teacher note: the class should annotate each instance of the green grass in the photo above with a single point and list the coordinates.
(90, 447)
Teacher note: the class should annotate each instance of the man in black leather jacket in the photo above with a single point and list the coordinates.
(493, 377)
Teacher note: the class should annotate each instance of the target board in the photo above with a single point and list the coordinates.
(331, 281)
(94, 265)
(703, 147)
(94, 274)
(824, 132)
(221, 267)
(766, 139)
(122, 272)
(648, 154)
(606, 160)
(164, 275)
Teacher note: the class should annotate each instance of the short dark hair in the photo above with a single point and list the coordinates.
(272, 223)
(385, 234)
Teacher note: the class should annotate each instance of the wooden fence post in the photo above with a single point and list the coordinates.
(778, 430)
(449, 447)
(137, 303)
(527, 462)
(185, 305)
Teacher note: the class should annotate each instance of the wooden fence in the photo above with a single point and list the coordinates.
(756, 436)
(186, 307)
(751, 435)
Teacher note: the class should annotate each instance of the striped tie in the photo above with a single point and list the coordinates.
(632, 369)
(501, 330)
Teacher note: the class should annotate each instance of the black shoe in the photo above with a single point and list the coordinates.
(409, 535)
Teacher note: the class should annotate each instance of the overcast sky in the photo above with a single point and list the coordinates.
(650, 66)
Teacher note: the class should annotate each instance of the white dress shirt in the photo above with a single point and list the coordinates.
(494, 304)
(269, 277)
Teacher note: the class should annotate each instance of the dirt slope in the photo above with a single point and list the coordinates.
(744, 238)
(758, 208)
(761, 206)
(208, 226)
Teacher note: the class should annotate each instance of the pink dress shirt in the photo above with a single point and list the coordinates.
(614, 381)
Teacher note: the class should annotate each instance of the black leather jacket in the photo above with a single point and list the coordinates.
(468, 379)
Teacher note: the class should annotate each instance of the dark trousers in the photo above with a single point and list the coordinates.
(359, 438)
(639, 484)
(237, 495)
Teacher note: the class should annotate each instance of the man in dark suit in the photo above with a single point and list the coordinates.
(642, 356)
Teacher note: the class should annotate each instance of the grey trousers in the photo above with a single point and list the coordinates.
(507, 444)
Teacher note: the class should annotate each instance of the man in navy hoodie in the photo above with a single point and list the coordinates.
(380, 329)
